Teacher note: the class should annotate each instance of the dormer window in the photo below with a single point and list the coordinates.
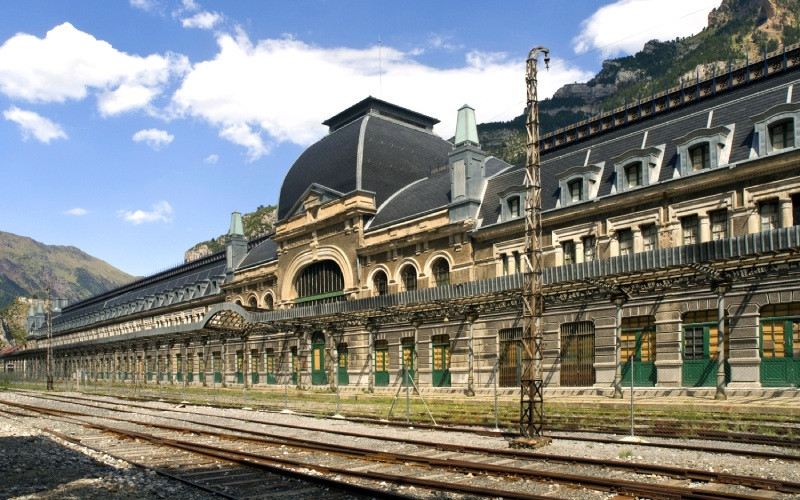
(579, 184)
(575, 188)
(511, 200)
(704, 149)
(699, 157)
(633, 175)
(638, 167)
(781, 135)
(776, 129)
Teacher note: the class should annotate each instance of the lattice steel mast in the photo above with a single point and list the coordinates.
(531, 411)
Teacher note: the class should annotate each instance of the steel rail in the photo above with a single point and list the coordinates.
(466, 466)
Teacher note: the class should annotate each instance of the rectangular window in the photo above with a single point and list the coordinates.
(690, 229)
(796, 209)
(719, 224)
(513, 206)
(768, 212)
(569, 252)
(625, 237)
(589, 249)
(649, 238)
(781, 135)
(575, 190)
(700, 157)
(517, 263)
(504, 258)
(633, 175)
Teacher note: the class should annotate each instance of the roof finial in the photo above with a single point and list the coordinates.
(466, 128)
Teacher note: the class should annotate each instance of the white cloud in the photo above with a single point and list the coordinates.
(279, 90)
(76, 211)
(67, 64)
(33, 124)
(618, 28)
(161, 212)
(203, 20)
(145, 5)
(154, 138)
(211, 159)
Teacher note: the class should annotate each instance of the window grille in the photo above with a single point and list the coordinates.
(381, 282)
(569, 252)
(589, 248)
(633, 175)
(690, 227)
(625, 237)
(409, 275)
(649, 238)
(700, 157)
(441, 272)
(719, 224)
(575, 190)
(320, 282)
(510, 363)
(768, 212)
(781, 135)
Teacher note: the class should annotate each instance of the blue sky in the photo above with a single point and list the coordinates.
(132, 129)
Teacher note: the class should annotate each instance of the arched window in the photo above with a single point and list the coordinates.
(238, 302)
(269, 303)
(381, 283)
(320, 282)
(441, 271)
(409, 277)
(252, 303)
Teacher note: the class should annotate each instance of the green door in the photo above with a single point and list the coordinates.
(254, 366)
(318, 375)
(780, 345)
(169, 367)
(441, 361)
(269, 366)
(159, 369)
(179, 364)
(201, 368)
(149, 362)
(381, 364)
(216, 361)
(341, 365)
(700, 341)
(239, 367)
(639, 341)
(408, 359)
(189, 368)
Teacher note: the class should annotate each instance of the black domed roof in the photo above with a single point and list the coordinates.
(373, 146)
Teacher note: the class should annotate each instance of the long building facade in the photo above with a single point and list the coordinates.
(399, 255)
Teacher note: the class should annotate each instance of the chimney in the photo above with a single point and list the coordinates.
(467, 166)
(235, 245)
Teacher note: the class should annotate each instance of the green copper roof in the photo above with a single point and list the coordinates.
(237, 228)
(466, 128)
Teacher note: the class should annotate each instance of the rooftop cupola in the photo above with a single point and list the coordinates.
(235, 245)
(466, 128)
(467, 166)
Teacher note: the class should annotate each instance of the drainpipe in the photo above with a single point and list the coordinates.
(471, 317)
(618, 301)
(721, 289)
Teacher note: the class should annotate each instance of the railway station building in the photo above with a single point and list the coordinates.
(400, 254)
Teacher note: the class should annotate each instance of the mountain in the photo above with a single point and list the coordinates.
(736, 30)
(256, 224)
(27, 266)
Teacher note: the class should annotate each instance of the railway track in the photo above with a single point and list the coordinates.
(787, 454)
(508, 466)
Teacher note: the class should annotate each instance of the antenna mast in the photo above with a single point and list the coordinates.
(531, 411)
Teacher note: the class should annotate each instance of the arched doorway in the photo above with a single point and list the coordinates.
(318, 375)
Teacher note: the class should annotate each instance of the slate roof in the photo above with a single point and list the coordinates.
(171, 279)
(730, 107)
(394, 154)
(265, 251)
